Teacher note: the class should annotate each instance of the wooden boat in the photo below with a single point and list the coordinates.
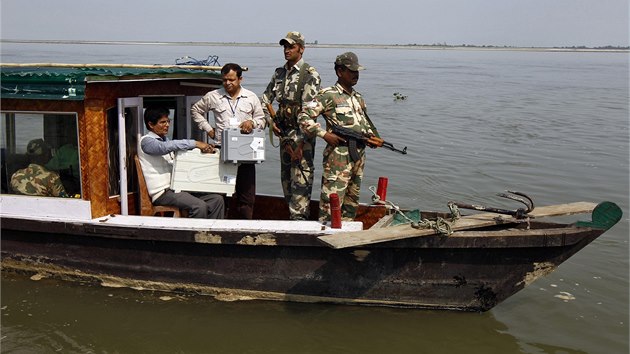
(103, 235)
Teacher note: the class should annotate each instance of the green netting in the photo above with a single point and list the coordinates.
(414, 215)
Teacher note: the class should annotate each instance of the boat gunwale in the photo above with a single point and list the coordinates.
(551, 235)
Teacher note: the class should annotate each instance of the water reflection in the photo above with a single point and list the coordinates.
(48, 316)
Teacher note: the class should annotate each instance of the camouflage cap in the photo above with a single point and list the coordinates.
(349, 60)
(37, 147)
(292, 38)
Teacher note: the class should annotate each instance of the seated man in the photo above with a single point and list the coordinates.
(36, 179)
(155, 152)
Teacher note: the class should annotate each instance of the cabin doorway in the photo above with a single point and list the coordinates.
(129, 117)
(124, 142)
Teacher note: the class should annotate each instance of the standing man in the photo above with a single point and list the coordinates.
(344, 159)
(155, 152)
(293, 85)
(233, 106)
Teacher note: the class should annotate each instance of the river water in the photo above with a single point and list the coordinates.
(551, 124)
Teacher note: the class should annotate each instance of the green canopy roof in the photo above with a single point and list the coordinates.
(68, 82)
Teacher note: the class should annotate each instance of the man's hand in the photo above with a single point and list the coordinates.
(374, 141)
(205, 148)
(247, 126)
(276, 130)
(333, 139)
(296, 155)
(211, 134)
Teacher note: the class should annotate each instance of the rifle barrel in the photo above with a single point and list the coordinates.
(391, 147)
(356, 135)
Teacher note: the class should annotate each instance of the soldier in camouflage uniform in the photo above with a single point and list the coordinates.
(37, 179)
(292, 86)
(342, 106)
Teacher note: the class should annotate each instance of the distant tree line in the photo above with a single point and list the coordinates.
(444, 44)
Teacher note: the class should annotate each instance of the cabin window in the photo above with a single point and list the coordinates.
(57, 154)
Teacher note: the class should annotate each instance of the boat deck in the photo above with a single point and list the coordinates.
(254, 226)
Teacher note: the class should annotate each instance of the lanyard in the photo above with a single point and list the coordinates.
(230, 103)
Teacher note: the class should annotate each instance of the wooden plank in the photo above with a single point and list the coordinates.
(366, 237)
(69, 209)
(383, 222)
(563, 209)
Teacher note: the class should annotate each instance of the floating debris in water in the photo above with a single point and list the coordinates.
(399, 96)
(563, 295)
(38, 276)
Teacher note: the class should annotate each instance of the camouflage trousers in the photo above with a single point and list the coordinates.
(297, 176)
(343, 176)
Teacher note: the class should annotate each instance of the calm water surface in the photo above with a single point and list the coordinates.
(553, 125)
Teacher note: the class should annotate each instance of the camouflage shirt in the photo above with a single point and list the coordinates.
(37, 180)
(339, 107)
(284, 89)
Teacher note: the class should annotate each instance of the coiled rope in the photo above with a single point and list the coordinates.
(439, 225)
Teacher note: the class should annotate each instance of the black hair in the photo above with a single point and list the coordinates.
(232, 66)
(153, 114)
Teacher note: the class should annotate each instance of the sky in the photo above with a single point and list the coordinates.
(520, 23)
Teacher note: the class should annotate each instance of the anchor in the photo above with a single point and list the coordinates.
(519, 213)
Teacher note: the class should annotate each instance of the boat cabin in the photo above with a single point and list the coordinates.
(78, 110)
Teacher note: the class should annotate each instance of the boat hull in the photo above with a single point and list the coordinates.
(100, 236)
(471, 271)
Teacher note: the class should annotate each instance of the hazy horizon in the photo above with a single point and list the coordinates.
(513, 23)
(308, 44)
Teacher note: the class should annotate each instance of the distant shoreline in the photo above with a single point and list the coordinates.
(318, 45)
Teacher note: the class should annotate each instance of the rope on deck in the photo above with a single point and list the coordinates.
(439, 225)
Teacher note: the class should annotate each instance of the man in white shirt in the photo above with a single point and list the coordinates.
(233, 106)
(155, 152)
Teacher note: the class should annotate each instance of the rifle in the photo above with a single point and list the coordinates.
(353, 136)
(283, 140)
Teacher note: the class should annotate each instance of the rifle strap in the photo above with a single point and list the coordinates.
(271, 133)
(300, 91)
(300, 84)
(270, 124)
(367, 118)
